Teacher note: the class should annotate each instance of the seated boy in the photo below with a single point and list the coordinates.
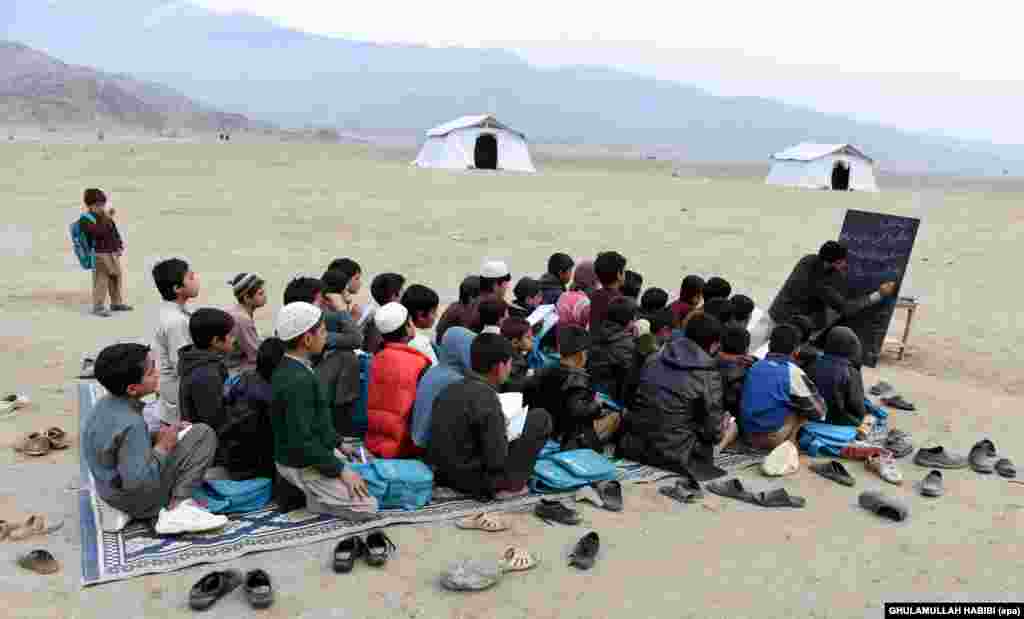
(140, 475)
(246, 442)
(632, 286)
(647, 347)
(248, 289)
(806, 353)
(519, 332)
(342, 334)
(394, 376)
(742, 310)
(422, 302)
(459, 314)
(733, 363)
(202, 367)
(691, 296)
(469, 446)
(553, 282)
(653, 300)
(304, 436)
(528, 298)
(492, 313)
(836, 373)
(177, 284)
(579, 420)
(719, 308)
(778, 398)
(717, 288)
(385, 288)
(613, 353)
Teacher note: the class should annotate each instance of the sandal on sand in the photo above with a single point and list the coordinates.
(931, 485)
(472, 575)
(40, 562)
(983, 458)
(779, 498)
(481, 522)
(517, 560)
(550, 510)
(610, 493)
(733, 489)
(882, 388)
(1005, 468)
(684, 491)
(33, 525)
(34, 444)
(885, 466)
(898, 442)
(5, 529)
(12, 402)
(379, 549)
(835, 471)
(886, 507)
(57, 437)
(584, 555)
(899, 403)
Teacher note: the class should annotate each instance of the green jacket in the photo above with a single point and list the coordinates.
(301, 417)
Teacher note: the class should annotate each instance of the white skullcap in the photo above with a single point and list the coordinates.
(494, 269)
(295, 319)
(391, 317)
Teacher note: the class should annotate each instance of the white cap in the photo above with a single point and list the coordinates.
(494, 269)
(391, 317)
(295, 319)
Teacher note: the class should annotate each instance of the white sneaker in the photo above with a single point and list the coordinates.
(187, 517)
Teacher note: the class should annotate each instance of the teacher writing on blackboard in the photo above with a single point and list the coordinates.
(817, 285)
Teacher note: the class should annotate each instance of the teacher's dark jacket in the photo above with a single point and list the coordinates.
(676, 419)
(813, 288)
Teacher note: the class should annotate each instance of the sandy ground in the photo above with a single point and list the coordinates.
(288, 209)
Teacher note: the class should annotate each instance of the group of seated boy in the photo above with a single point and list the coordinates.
(664, 382)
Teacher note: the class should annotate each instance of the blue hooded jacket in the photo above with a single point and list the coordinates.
(455, 360)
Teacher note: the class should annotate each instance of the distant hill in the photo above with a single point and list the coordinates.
(252, 66)
(38, 89)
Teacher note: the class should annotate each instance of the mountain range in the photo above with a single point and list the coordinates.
(254, 67)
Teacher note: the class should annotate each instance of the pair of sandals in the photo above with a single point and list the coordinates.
(215, 585)
(734, 489)
(39, 561)
(42, 443)
(34, 525)
(480, 574)
(986, 460)
(685, 491)
(376, 549)
(890, 398)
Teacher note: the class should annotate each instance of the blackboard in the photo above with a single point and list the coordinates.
(880, 246)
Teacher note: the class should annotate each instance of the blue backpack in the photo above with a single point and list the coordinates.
(569, 470)
(825, 439)
(360, 416)
(538, 359)
(80, 242)
(225, 496)
(398, 484)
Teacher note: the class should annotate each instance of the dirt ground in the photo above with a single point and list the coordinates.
(287, 209)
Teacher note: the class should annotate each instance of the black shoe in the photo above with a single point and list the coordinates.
(258, 589)
(346, 553)
(121, 307)
(549, 510)
(213, 587)
(585, 553)
(379, 548)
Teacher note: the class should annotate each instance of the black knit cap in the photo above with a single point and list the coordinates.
(832, 251)
(572, 340)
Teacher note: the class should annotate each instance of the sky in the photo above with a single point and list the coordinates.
(905, 63)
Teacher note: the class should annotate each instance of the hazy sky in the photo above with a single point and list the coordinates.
(906, 63)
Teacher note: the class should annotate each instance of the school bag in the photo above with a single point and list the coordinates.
(825, 439)
(398, 484)
(226, 496)
(537, 358)
(82, 244)
(568, 470)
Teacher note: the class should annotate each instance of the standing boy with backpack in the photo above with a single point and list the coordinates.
(101, 232)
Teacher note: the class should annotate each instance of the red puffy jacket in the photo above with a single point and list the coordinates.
(395, 372)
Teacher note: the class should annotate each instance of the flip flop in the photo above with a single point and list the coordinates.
(40, 562)
(779, 498)
(1005, 468)
(472, 575)
(884, 506)
(611, 493)
(33, 525)
(835, 471)
(34, 444)
(482, 522)
(584, 555)
(931, 485)
(517, 560)
(733, 489)
(881, 387)
(899, 403)
(57, 437)
(885, 466)
(346, 553)
(550, 510)
(684, 491)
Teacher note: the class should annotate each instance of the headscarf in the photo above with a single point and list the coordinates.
(455, 360)
(585, 277)
(574, 309)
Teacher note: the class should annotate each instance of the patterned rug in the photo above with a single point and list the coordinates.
(135, 551)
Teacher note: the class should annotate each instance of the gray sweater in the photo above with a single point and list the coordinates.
(118, 450)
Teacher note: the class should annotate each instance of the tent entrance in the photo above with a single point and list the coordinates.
(841, 176)
(485, 154)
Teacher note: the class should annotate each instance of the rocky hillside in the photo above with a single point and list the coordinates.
(38, 89)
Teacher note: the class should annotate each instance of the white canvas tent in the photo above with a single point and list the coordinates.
(475, 142)
(841, 167)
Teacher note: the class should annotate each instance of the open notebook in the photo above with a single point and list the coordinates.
(515, 414)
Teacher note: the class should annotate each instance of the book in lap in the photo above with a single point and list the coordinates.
(515, 414)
